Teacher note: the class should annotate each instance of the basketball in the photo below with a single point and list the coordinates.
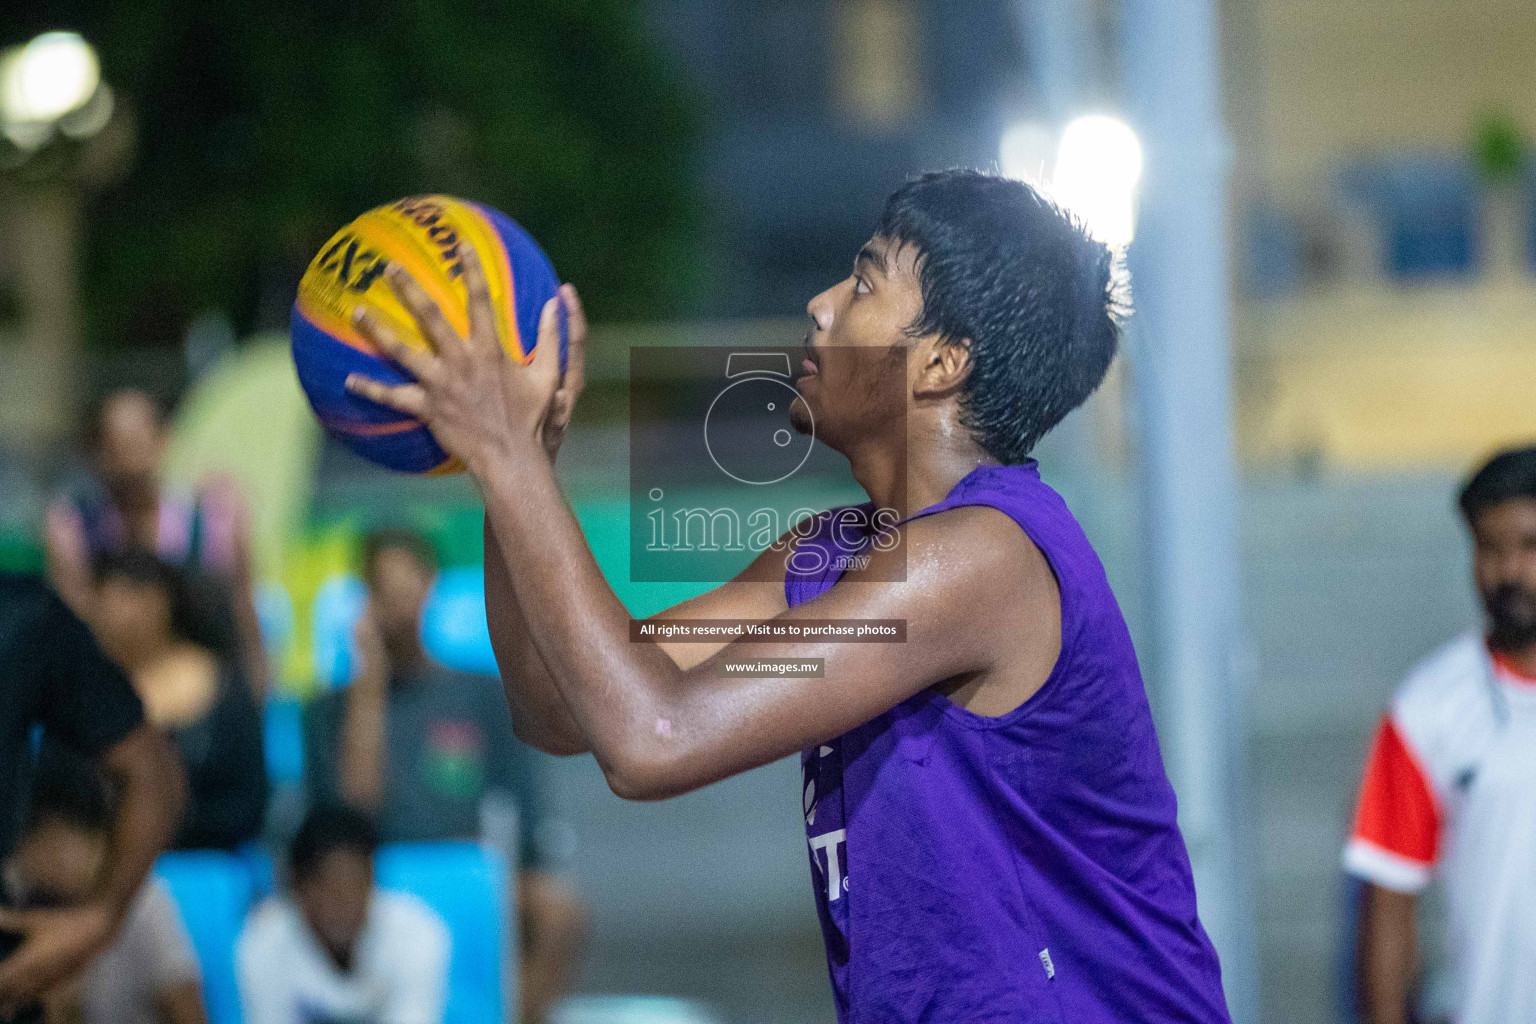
(422, 235)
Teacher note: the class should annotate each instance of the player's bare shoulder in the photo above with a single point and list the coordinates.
(975, 579)
(975, 545)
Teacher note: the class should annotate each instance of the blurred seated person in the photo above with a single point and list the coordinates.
(125, 506)
(55, 678)
(149, 973)
(336, 950)
(142, 622)
(428, 749)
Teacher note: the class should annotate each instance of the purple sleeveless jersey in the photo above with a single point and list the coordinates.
(1022, 868)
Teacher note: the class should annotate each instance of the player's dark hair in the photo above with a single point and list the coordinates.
(397, 538)
(1021, 280)
(1509, 474)
(326, 828)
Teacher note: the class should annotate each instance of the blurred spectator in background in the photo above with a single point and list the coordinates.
(339, 951)
(149, 974)
(1450, 785)
(125, 506)
(430, 750)
(53, 675)
(143, 621)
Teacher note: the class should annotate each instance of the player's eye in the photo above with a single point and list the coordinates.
(860, 286)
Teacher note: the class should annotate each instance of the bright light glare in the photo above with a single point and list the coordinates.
(26, 135)
(1098, 165)
(49, 77)
(83, 122)
(1027, 152)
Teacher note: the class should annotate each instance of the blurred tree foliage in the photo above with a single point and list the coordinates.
(1499, 147)
(264, 125)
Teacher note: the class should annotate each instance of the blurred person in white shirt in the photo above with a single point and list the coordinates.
(337, 950)
(1450, 786)
(149, 973)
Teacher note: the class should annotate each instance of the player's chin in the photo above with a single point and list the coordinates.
(801, 416)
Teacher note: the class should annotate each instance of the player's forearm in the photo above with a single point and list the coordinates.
(619, 695)
(540, 717)
(1387, 954)
(153, 794)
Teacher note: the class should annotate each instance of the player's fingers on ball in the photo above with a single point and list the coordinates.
(417, 363)
(567, 406)
(574, 310)
(425, 310)
(410, 399)
(576, 339)
(546, 350)
(560, 407)
(482, 315)
(559, 411)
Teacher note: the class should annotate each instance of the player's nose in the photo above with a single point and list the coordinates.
(819, 309)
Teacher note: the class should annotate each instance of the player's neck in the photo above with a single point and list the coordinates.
(922, 475)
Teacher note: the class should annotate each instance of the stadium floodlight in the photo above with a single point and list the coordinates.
(45, 81)
(1098, 166)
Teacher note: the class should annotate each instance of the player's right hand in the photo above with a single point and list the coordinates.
(574, 378)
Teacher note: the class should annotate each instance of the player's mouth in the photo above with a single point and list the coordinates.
(809, 363)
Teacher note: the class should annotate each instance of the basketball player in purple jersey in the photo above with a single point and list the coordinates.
(991, 832)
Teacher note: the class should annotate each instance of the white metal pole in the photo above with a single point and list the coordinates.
(1182, 381)
(1061, 50)
(1065, 66)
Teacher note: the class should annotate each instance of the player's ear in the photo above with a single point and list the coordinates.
(943, 365)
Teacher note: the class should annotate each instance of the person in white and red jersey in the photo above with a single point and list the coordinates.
(1450, 785)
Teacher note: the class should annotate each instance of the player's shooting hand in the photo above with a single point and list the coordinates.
(480, 405)
(56, 944)
(575, 376)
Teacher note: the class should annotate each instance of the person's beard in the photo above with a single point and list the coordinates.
(1511, 612)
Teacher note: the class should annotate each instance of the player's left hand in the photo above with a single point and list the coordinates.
(480, 405)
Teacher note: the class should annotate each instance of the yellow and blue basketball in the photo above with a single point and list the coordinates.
(421, 234)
